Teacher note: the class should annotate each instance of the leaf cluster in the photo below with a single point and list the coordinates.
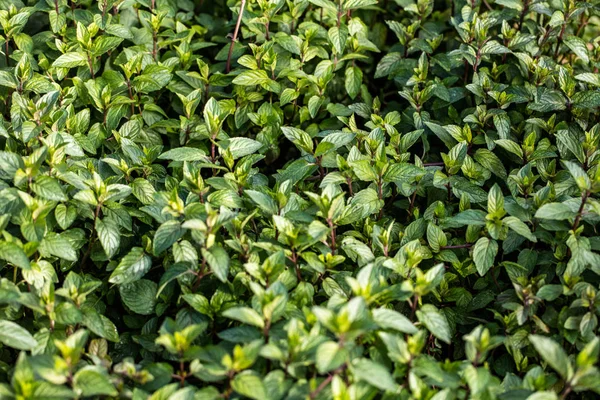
(299, 199)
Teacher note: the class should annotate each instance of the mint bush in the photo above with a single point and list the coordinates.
(299, 199)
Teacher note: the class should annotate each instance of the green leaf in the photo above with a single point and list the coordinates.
(390, 319)
(184, 154)
(105, 44)
(330, 356)
(493, 47)
(491, 162)
(577, 46)
(218, 260)
(549, 292)
(436, 237)
(338, 35)
(198, 303)
(70, 60)
(325, 4)
(49, 189)
(511, 147)
(245, 315)
(586, 99)
(435, 322)
(581, 177)
(249, 384)
(12, 253)
(468, 217)
(375, 374)
(58, 246)
(166, 234)
(173, 272)
(65, 215)
(299, 138)
(15, 336)
(154, 78)
(484, 254)
(555, 211)
(519, 227)
(109, 236)
(353, 81)
(241, 146)
(139, 296)
(143, 190)
(93, 381)
(502, 124)
(553, 354)
(356, 4)
(333, 141)
(100, 325)
(8, 80)
(131, 267)
(402, 172)
(251, 78)
(265, 202)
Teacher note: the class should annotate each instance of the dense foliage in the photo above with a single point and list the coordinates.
(299, 199)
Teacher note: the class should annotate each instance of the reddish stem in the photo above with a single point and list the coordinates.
(235, 35)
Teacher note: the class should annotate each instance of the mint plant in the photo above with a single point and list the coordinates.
(300, 199)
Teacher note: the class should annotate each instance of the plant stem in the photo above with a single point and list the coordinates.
(332, 227)
(154, 46)
(559, 40)
(235, 35)
(130, 96)
(6, 51)
(266, 330)
(566, 391)
(523, 13)
(91, 65)
(92, 239)
(411, 208)
(267, 31)
(584, 198)
(413, 307)
(325, 382)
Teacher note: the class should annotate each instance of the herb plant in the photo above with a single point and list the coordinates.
(299, 199)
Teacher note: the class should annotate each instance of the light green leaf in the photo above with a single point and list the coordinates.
(109, 236)
(93, 381)
(245, 315)
(435, 322)
(15, 336)
(555, 211)
(12, 253)
(519, 227)
(49, 189)
(484, 253)
(375, 374)
(553, 354)
(249, 384)
(330, 356)
(353, 81)
(218, 260)
(390, 319)
(241, 146)
(70, 60)
(184, 154)
(578, 46)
